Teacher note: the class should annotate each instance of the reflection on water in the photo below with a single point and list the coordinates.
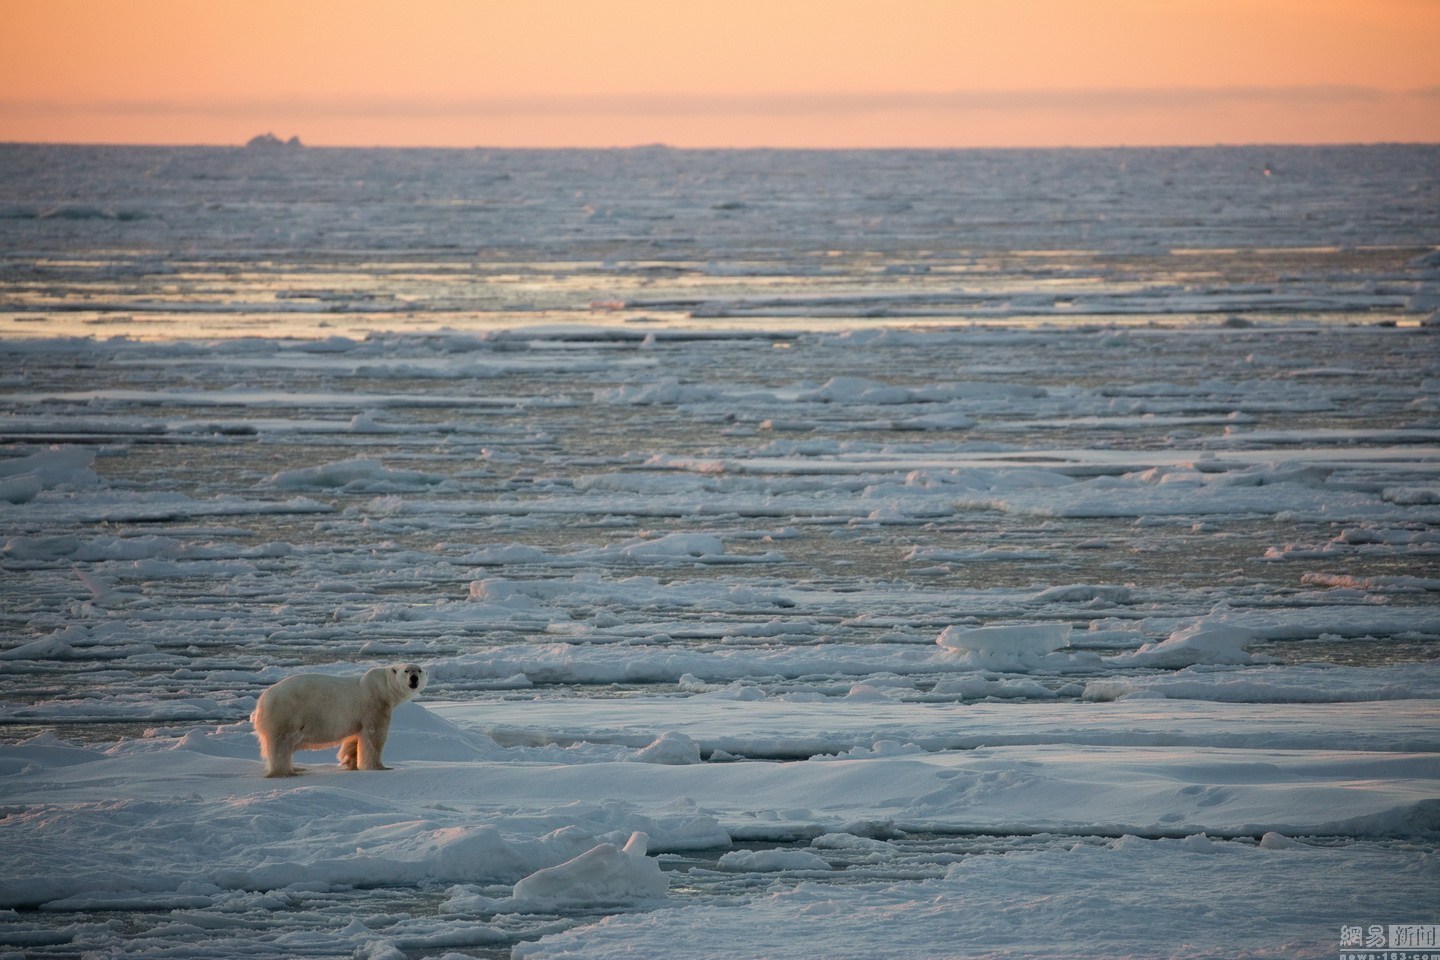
(171, 242)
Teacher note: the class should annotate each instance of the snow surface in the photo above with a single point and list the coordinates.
(1148, 898)
(798, 571)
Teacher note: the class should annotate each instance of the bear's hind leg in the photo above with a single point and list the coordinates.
(279, 754)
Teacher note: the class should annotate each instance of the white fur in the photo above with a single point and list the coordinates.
(311, 711)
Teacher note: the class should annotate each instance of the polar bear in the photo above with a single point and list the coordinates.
(310, 711)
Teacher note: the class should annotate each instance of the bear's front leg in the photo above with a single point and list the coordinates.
(349, 753)
(372, 742)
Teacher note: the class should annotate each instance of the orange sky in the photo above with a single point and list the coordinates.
(806, 73)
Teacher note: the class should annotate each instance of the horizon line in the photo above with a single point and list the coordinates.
(692, 105)
(657, 146)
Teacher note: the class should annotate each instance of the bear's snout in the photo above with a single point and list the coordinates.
(414, 681)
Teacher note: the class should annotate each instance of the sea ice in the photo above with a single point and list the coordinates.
(604, 875)
(1192, 898)
(1202, 642)
(1158, 472)
(1016, 648)
(672, 747)
(767, 861)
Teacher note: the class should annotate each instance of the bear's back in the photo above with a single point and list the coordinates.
(309, 686)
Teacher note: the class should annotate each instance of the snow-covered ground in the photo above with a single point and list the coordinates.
(1060, 589)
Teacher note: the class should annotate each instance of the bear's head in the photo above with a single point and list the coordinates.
(407, 680)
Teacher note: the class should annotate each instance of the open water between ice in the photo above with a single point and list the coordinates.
(985, 554)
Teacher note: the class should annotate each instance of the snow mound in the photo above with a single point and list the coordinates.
(673, 748)
(56, 467)
(980, 688)
(418, 734)
(1202, 642)
(21, 489)
(1022, 639)
(1015, 648)
(847, 390)
(772, 861)
(849, 841)
(359, 475)
(674, 546)
(510, 553)
(1085, 593)
(604, 875)
(46, 648)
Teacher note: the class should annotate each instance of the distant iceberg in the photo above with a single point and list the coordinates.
(268, 140)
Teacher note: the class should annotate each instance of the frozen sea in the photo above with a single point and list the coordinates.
(816, 554)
